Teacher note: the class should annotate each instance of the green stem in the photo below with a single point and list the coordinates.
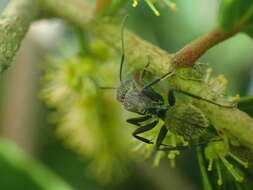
(246, 100)
(244, 164)
(205, 179)
(246, 17)
(153, 8)
(246, 104)
(218, 168)
(238, 186)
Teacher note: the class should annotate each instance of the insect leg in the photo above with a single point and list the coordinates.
(161, 136)
(102, 87)
(144, 129)
(206, 142)
(181, 147)
(143, 73)
(171, 98)
(137, 120)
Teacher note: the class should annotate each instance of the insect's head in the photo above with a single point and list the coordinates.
(123, 88)
(136, 98)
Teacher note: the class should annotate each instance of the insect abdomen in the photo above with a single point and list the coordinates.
(186, 120)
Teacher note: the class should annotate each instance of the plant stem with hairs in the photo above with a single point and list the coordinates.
(20, 13)
(14, 23)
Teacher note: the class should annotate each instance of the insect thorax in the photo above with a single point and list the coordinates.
(186, 120)
(135, 100)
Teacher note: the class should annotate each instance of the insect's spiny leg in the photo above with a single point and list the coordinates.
(137, 120)
(144, 129)
(171, 98)
(162, 134)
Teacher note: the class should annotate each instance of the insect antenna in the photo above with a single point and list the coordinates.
(122, 47)
(157, 80)
(184, 92)
(102, 87)
(122, 57)
(201, 98)
(106, 87)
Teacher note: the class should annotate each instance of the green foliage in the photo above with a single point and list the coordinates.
(236, 14)
(246, 104)
(89, 119)
(18, 171)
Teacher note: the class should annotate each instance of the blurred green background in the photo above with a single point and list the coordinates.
(23, 116)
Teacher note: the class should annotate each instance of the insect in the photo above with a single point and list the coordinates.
(180, 118)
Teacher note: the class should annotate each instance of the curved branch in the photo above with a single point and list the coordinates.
(138, 52)
(14, 23)
(189, 54)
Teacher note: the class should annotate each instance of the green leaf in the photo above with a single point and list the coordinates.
(236, 14)
(246, 104)
(17, 171)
